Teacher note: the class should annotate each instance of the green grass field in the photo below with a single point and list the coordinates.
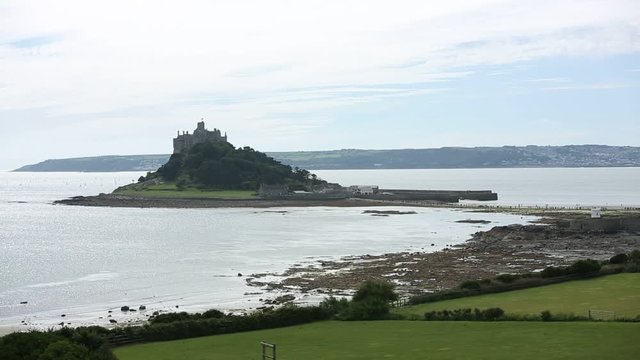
(410, 340)
(170, 191)
(619, 293)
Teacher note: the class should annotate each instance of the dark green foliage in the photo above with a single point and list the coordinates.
(471, 285)
(212, 314)
(170, 170)
(221, 166)
(546, 315)
(334, 306)
(584, 267)
(26, 346)
(553, 271)
(465, 315)
(82, 343)
(370, 302)
(634, 256)
(202, 326)
(170, 317)
(507, 278)
(64, 350)
(618, 259)
(182, 316)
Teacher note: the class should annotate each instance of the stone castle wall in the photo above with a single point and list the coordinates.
(183, 142)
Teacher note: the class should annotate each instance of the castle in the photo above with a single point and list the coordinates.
(183, 142)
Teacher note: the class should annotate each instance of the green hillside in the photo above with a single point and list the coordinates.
(618, 293)
(406, 340)
(219, 165)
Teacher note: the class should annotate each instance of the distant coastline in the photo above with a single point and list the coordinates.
(443, 158)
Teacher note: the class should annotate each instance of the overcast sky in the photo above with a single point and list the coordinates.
(82, 78)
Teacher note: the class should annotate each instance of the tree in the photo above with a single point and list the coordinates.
(371, 301)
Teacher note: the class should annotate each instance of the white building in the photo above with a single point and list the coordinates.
(364, 189)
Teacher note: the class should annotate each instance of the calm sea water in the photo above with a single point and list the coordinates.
(531, 186)
(83, 261)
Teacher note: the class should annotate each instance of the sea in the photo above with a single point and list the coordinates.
(76, 265)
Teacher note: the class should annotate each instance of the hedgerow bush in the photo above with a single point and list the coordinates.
(65, 344)
(370, 302)
(489, 314)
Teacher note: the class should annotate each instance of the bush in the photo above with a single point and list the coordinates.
(634, 256)
(212, 314)
(584, 267)
(618, 259)
(370, 302)
(507, 278)
(375, 289)
(471, 285)
(553, 271)
(334, 306)
(489, 314)
(64, 350)
(546, 315)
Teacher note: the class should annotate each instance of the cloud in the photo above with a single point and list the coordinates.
(598, 86)
(251, 61)
(549, 80)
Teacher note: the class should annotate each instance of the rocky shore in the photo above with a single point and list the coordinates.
(115, 200)
(503, 249)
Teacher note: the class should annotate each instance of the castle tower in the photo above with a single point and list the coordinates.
(182, 143)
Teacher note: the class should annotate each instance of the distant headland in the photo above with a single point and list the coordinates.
(441, 158)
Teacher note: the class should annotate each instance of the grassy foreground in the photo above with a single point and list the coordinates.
(619, 293)
(410, 340)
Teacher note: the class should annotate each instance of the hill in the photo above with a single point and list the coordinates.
(106, 163)
(442, 158)
(219, 165)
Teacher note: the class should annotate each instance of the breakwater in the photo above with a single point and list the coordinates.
(450, 196)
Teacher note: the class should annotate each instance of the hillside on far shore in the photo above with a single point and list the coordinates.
(441, 158)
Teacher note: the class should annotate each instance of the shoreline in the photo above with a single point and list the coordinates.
(116, 200)
(502, 249)
(511, 248)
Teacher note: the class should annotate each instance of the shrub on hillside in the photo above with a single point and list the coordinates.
(470, 285)
(553, 271)
(507, 278)
(584, 267)
(618, 259)
(370, 302)
(489, 314)
(65, 344)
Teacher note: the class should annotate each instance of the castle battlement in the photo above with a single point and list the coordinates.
(183, 142)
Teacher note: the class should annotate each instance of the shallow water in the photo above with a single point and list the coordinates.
(83, 261)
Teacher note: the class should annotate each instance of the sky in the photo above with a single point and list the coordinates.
(85, 78)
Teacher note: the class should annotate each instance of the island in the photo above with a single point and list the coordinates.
(206, 170)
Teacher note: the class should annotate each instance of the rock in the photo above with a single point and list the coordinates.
(63, 315)
(239, 274)
(156, 313)
(23, 302)
(132, 310)
(177, 306)
(113, 321)
(124, 308)
(142, 307)
(109, 311)
(61, 324)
